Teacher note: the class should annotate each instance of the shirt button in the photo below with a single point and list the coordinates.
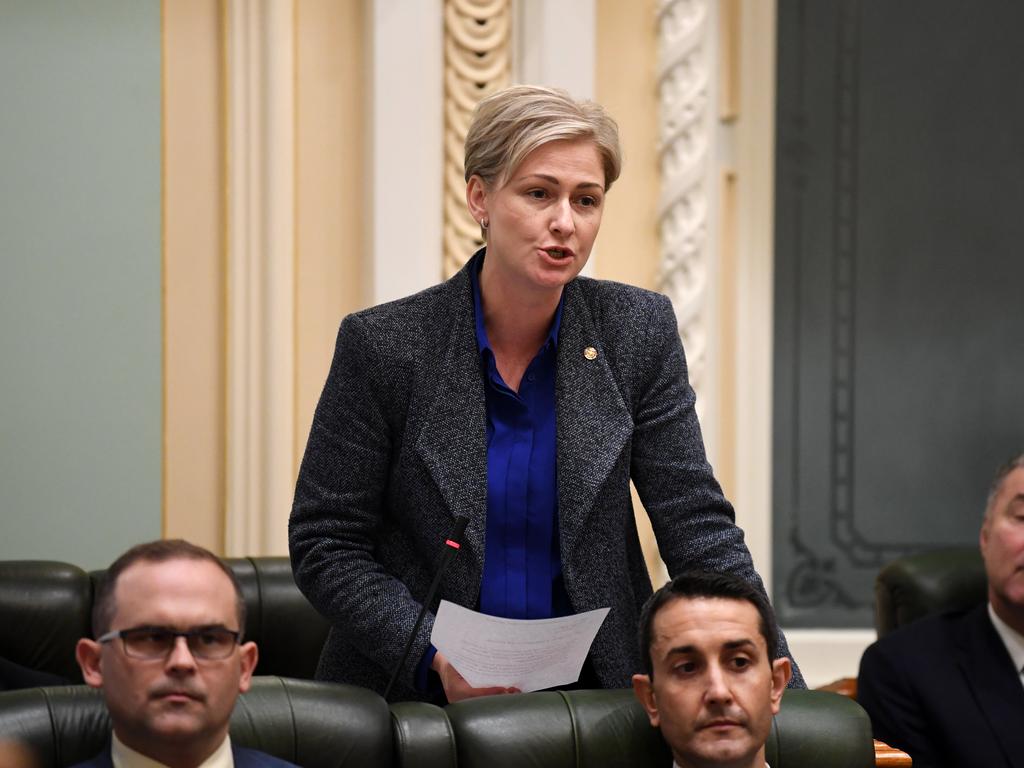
(531, 377)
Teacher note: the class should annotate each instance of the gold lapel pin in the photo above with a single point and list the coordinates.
(590, 353)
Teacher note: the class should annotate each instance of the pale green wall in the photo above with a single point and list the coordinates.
(80, 252)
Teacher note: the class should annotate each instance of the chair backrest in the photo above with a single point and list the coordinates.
(318, 725)
(288, 630)
(915, 586)
(819, 728)
(556, 730)
(314, 725)
(45, 607)
(610, 729)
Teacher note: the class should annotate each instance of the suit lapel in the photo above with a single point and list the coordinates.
(994, 683)
(452, 441)
(594, 423)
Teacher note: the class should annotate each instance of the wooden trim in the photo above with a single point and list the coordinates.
(890, 757)
(729, 22)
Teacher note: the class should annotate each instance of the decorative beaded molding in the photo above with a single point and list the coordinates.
(477, 49)
(685, 71)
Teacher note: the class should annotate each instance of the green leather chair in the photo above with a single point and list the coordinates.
(45, 607)
(289, 631)
(320, 725)
(609, 729)
(818, 728)
(915, 586)
(309, 724)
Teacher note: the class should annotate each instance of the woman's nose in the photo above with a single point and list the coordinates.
(562, 221)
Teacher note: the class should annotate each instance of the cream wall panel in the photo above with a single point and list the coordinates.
(626, 56)
(751, 375)
(556, 43)
(331, 203)
(406, 155)
(626, 62)
(193, 273)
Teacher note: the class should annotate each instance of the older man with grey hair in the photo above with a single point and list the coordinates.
(949, 689)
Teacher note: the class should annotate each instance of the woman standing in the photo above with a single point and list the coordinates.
(521, 396)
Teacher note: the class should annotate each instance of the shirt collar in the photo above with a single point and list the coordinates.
(123, 756)
(482, 342)
(1012, 639)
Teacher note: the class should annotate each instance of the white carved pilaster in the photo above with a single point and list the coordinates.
(555, 44)
(686, 78)
(476, 63)
(260, 276)
(405, 163)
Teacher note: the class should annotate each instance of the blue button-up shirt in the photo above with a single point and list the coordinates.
(522, 576)
(522, 561)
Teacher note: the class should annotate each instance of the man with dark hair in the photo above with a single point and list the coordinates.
(949, 689)
(168, 621)
(714, 680)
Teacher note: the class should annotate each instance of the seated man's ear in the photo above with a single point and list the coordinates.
(87, 654)
(644, 691)
(782, 670)
(249, 654)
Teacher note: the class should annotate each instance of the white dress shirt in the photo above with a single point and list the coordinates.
(1012, 639)
(126, 757)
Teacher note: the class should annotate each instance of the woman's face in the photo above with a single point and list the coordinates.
(543, 220)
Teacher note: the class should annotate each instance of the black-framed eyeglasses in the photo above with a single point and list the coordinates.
(150, 643)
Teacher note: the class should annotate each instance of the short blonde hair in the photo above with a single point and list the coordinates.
(510, 124)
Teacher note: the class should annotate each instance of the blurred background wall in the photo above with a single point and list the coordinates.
(80, 278)
(193, 193)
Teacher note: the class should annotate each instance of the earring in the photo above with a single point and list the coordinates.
(484, 223)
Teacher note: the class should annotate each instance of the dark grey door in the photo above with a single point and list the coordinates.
(899, 294)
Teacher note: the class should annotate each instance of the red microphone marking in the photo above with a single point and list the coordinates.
(452, 544)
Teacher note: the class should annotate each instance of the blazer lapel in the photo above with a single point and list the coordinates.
(594, 424)
(452, 441)
(993, 681)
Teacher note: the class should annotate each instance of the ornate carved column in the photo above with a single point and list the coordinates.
(476, 63)
(687, 116)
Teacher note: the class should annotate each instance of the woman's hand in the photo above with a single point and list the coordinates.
(455, 686)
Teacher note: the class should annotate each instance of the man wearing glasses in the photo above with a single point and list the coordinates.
(168, 656)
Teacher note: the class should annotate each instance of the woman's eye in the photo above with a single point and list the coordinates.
(588, 201)
(537, 194)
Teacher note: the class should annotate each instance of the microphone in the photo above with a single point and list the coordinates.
(452, 545)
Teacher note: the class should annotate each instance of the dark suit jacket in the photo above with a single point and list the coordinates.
(244, 758)
(944, 690)
(14, 676)
(397, 450)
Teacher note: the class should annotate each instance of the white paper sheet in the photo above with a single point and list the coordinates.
(526, 654)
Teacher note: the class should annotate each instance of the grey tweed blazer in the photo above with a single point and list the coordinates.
(397, 450)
